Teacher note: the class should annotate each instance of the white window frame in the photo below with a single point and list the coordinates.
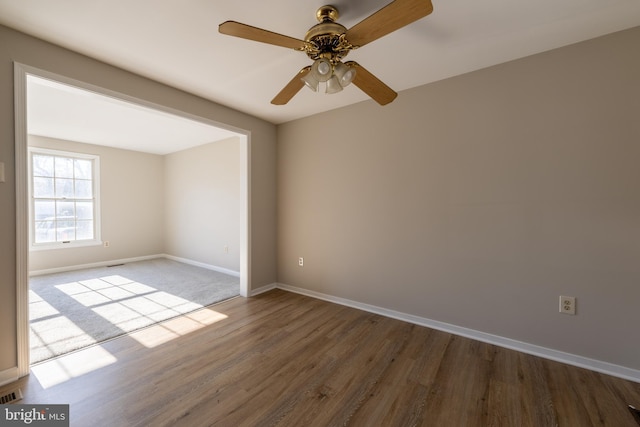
(96, 201)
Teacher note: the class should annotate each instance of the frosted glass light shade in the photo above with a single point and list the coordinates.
(344, 73)
(321, 70)
(311, 82)
(333, 85)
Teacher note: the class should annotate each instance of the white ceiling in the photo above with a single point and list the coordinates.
(177, 42)
(65, 112)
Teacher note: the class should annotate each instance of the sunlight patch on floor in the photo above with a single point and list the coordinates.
(57, 371)
(164, 332)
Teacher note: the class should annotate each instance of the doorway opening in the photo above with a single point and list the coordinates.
(158, 163)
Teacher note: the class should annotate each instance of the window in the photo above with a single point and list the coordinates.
(64, 198)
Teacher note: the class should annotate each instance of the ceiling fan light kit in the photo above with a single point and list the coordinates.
(336, 76)
(328, 42)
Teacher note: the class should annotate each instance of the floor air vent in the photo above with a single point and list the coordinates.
(12, 396)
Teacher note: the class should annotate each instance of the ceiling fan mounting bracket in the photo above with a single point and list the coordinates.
(327, 13)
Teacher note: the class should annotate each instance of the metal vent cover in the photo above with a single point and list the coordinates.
(10, 397)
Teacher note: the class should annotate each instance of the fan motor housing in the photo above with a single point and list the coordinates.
(325, 29)
(327, 37)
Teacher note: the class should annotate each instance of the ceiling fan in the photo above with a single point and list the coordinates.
(328, 42)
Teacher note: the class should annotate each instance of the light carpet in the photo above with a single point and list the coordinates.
(72, 310)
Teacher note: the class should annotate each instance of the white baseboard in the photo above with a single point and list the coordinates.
(536, 350)
(126, 260)
(263, 289)
(203, 265)
(8, 376)
(93, 265)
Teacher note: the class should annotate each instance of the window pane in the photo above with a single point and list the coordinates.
(45, 231)
(65, 230)
(84, 189)
(44, 209)
(83, 168)
(63, 200)
(64, 188)
(84, 210)
(43, 187)
(84, 230)
(42, 165)
(65, 210)
(63, 167)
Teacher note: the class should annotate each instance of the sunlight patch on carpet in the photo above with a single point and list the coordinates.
(73, 310)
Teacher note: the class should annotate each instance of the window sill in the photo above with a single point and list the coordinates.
(55, 246)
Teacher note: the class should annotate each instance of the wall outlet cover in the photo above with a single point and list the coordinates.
(567, 305)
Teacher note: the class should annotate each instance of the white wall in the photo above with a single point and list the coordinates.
(479, 200)
(202, 204)
(132, 207)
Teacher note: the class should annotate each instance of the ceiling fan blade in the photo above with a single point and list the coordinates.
(236, 29)
(371, 85)
(390, 18)
(291, 88)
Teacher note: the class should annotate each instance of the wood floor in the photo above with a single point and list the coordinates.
(289, 360)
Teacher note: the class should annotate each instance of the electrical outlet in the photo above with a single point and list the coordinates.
(301, 262)
(106, 243)
(226, 249)
(567, 305)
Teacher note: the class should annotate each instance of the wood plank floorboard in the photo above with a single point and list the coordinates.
(289, 360)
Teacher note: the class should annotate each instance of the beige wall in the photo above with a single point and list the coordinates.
(15, 46)
(132, 207)
(202, 205)
(185, 204)
(480, 199)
